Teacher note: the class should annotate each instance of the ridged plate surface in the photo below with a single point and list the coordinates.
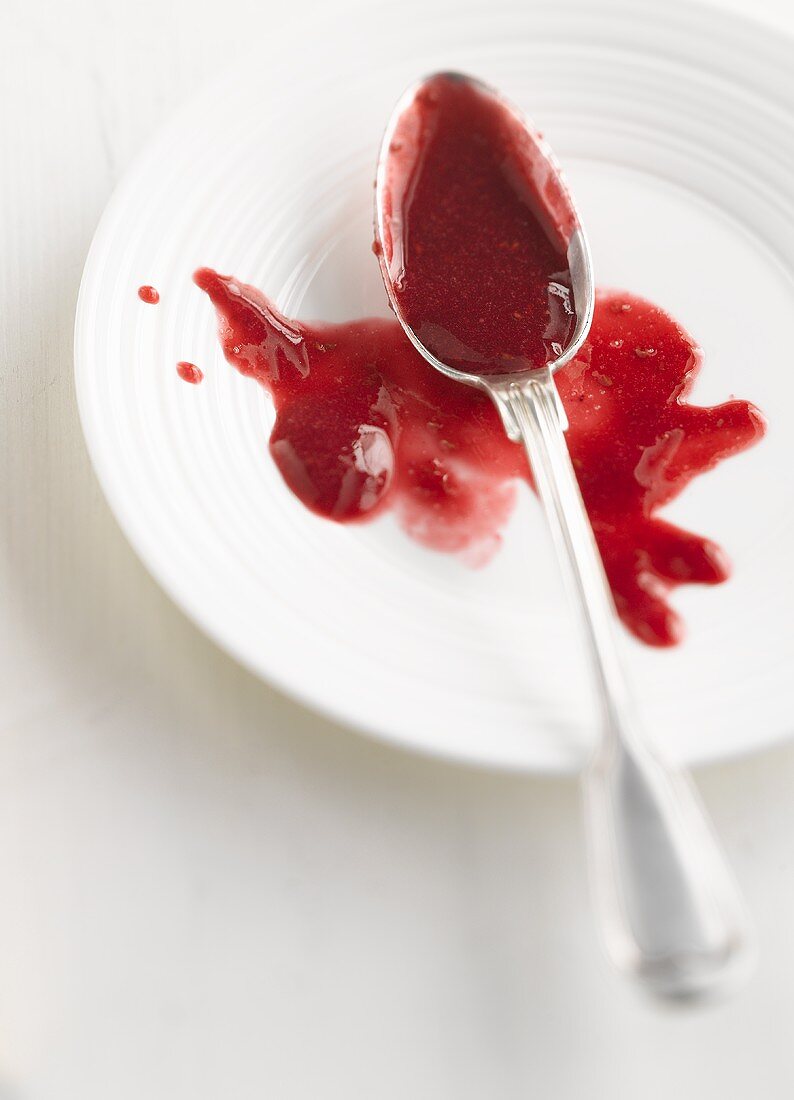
(676, 129)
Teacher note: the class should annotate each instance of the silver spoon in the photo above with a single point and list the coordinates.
(670, 912)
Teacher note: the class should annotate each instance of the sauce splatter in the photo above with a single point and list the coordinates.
(149, 294)
(363, 424)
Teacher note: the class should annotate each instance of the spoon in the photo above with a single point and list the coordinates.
(670, 913)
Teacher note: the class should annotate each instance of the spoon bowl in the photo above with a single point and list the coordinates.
(578, 253)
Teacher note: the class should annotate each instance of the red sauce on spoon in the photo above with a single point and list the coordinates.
(475, 231)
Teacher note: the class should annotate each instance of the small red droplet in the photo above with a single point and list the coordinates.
(189, 372)
(149, 294)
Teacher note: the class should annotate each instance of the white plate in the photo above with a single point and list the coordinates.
(676, 127)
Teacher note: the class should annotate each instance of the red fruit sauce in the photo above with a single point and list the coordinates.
(364, 424)
(475, 233)
(474, 239)
(149, 294)
(189, 372)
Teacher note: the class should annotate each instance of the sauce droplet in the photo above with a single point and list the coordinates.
(149, 294)
(189, 372)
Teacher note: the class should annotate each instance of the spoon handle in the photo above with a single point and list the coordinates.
(671, 913)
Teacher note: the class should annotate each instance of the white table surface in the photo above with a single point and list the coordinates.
(206, 891)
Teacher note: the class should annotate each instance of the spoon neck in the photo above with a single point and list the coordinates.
(534, 415)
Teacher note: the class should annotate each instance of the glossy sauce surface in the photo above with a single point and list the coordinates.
(363, 424)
